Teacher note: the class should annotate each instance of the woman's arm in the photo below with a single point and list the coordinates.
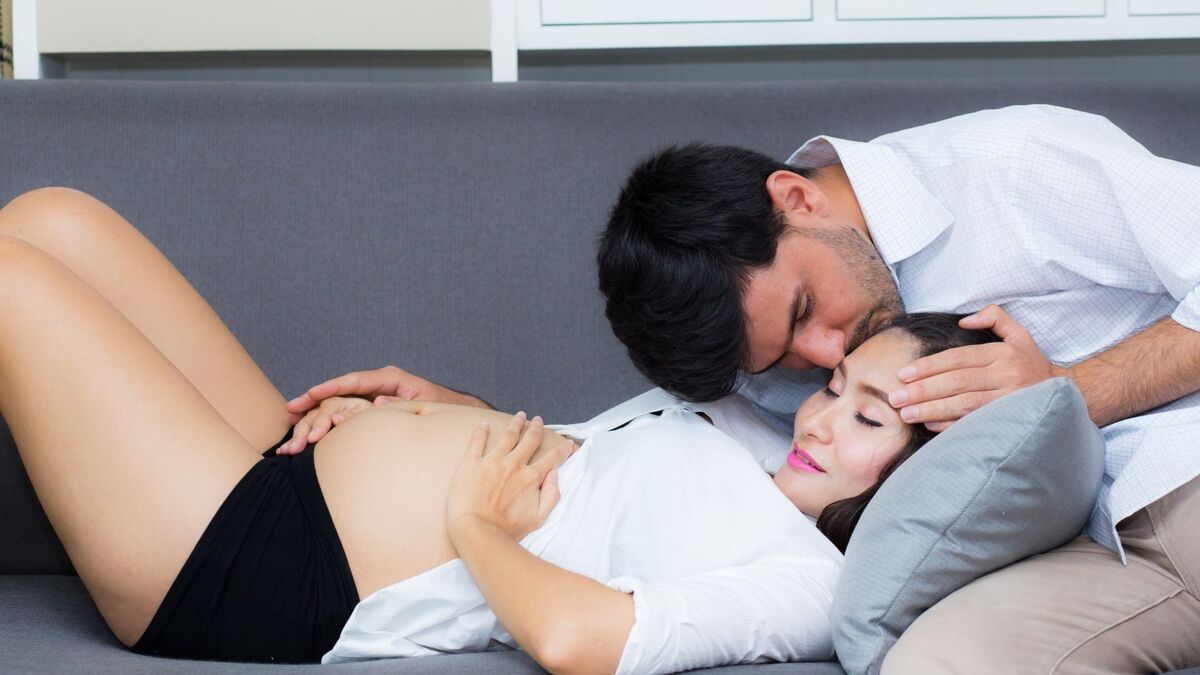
(567, 622)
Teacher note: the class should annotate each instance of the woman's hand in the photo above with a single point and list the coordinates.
(386, 381)
(317, 422)
(500, 487)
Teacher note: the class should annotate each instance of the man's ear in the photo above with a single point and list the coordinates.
(792, 193)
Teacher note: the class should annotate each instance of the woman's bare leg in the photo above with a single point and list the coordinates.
(110, 255)
(128, 458)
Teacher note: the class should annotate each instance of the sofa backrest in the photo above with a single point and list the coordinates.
(449, 228)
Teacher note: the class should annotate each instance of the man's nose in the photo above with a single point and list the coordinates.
(821, 349)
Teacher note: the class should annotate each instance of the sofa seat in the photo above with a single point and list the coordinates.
(51, 626)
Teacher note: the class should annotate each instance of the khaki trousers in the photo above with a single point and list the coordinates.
(1075, 609)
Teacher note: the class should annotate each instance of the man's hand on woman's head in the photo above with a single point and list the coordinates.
(369, 384)
(944, 387)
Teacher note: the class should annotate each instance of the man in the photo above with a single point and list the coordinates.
(1080, 234)
(1075, 245)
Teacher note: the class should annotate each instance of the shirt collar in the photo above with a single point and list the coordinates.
(901, 215)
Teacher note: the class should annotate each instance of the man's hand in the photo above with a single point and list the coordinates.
(386, 381)
(941, 388)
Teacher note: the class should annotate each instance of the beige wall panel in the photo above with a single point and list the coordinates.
(66, 26)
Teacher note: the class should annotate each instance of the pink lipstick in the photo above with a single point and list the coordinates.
(802, 461)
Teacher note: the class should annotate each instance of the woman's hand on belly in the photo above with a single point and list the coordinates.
(386, 474)
(318, 421)
(500, 485)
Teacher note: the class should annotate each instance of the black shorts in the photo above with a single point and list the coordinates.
(268, 580)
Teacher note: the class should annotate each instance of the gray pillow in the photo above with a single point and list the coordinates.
(1017, 477)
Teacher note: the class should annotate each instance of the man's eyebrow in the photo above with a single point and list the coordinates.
(863, 386)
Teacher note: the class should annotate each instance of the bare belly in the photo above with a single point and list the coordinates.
(385, 475)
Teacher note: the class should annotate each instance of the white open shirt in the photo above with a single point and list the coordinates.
(722, 567)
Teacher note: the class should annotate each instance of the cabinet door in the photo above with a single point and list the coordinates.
(580, 12)
(1162, 7)
(958, 9)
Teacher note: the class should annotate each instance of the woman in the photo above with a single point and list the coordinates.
(191, 544)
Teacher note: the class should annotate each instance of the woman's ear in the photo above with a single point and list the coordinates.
(792, 193)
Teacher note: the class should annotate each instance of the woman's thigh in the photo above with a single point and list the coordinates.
(109, 254)
(127, 457)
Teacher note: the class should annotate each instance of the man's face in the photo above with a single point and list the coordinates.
(823, 296)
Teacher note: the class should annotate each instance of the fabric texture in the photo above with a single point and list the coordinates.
(267, 581)
(722, 566)
(1046, 615)
(1070, 225)
(1014, 478)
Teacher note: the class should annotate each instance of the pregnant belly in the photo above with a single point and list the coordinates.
(385, 475)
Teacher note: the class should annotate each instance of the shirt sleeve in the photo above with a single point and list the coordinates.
(770, 610)
(1104, 206)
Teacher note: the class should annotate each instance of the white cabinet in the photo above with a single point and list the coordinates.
(851, 10)
(1163, 7)
(612, 24)
(580, 12)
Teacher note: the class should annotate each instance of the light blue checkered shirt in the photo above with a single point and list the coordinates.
(1059, 217)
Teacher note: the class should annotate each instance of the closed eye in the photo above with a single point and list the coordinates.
(866, 420)
(859, 417)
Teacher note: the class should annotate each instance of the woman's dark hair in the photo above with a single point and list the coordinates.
(934, 332)
(690, 225)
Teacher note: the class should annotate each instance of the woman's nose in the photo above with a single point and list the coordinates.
(816, 425)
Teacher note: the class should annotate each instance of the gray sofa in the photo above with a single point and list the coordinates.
(449, 229)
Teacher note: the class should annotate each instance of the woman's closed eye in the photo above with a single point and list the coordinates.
(862, 419)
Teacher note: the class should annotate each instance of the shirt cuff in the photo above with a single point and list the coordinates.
(1187, 314)
(634, 652)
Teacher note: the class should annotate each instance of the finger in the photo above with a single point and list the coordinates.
(512, 434)
(380, 400)
(320, 427)
(358, 383)
(530, 441)
(938, 427)
(969, 356)
(299, 436)
(350, 410)
(947, 409)
(301, 404)
(292, 419)
(998, 321)
(553, 459)
(548, 496)
(941, 385)
(478, 440)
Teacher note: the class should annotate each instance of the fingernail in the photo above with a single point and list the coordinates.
(537, 418)
(910, 413)
(521, 414)
(899, 397)
(907, 373)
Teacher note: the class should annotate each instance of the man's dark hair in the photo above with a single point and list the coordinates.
(934, 332)
(690, 225)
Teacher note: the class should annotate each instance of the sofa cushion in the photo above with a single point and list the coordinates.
(1016, 477)
(48, 624)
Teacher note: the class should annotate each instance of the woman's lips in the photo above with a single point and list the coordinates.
(802, 461)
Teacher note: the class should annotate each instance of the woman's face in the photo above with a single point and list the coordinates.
(845, 434)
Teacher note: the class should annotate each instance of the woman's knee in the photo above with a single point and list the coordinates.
(49, 216)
